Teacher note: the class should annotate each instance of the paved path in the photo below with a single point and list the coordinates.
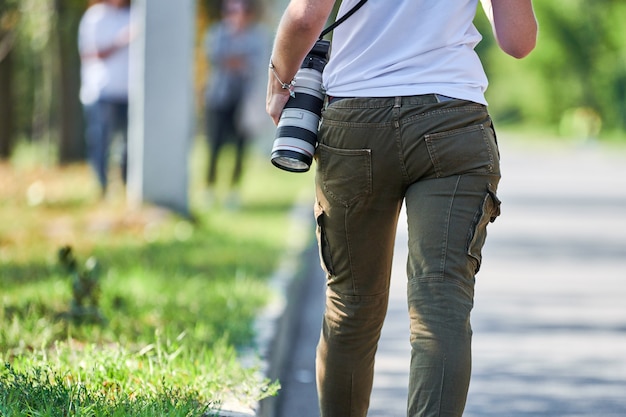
(550, 315)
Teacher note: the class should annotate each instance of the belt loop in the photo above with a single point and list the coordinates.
(398, 102)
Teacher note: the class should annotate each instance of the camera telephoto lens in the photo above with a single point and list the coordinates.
(296, 135)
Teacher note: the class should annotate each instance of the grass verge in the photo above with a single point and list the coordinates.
(175, 298)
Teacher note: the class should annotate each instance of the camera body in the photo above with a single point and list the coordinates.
(296, 134)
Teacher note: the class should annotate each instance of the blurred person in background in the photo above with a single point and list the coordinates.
(406, 122)
(103, 40)
(236, 49)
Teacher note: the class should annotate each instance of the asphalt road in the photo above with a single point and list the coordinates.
(550, 314)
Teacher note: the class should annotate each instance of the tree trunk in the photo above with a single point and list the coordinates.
(71, 143)
(6, 106)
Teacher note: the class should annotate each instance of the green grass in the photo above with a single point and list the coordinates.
(178, 296)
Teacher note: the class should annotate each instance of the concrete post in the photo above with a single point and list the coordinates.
(161, 125)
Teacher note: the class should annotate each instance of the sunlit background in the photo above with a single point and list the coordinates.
(549, 319)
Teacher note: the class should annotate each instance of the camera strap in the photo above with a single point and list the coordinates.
(343, 18)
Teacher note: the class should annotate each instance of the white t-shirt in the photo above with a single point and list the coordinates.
(107, 78)
(406, 47)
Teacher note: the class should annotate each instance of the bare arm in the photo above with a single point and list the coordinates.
(514, 25)
(299, 28)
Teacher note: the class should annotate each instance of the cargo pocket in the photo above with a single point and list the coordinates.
(487, 213)
(322, 242)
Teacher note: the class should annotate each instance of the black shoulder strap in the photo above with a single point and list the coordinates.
(343, 18)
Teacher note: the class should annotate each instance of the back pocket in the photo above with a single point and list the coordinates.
(344, 174)
(465, 150)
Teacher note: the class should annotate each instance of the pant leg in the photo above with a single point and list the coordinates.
(216, 130)
(119, 121)
(448, 209)
(443, 253)
(240, 140)
(358, 190)
(97, 136)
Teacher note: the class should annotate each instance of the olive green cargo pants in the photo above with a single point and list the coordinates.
(440, 157)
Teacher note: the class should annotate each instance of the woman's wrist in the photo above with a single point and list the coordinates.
(278, 82)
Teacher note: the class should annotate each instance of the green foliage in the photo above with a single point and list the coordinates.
(575, 79)
(169, 378)
(85, 288)
(180, 295)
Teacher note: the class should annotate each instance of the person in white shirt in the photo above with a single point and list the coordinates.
(103, 39)
(405, 122)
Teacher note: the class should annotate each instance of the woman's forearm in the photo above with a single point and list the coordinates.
(299, 28)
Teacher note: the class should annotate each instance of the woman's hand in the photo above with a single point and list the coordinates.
(277, 97)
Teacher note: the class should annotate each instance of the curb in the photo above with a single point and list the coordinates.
(275, 324)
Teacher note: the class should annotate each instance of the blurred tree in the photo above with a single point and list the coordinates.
(71, 143)
(39, 75)
(579, 63)
(8, 32)
(37, 54)
(208, 12)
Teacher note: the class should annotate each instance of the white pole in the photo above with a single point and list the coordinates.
(161, 125)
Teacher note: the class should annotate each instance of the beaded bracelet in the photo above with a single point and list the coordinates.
(284, 86)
